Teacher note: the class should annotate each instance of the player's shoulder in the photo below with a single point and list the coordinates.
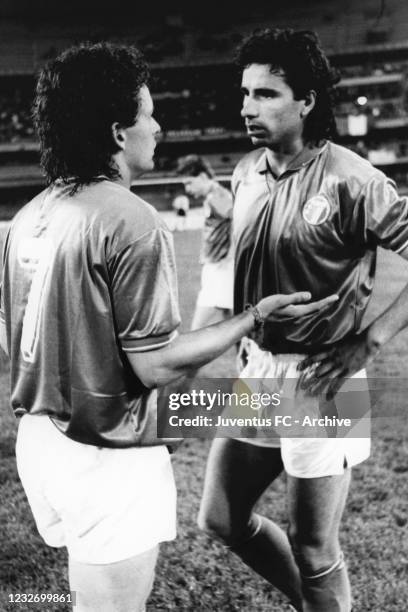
(125, 214)
(24, 216)
(247, 167)
(248, 164)
(349, 166)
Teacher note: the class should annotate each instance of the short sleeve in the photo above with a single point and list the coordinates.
(381, 216)
(221, 202)
(144, 292)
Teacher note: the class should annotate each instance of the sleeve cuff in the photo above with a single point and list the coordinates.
(148, 344)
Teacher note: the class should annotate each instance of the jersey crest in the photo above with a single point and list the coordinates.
(316, 210)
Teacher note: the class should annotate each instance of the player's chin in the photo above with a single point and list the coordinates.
(258, 141)
(150, 164)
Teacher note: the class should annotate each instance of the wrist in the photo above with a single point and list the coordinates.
(258, 317)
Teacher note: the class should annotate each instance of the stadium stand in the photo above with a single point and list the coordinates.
(196, 89)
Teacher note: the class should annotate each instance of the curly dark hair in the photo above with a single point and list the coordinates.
(299, 56)
(79, 95)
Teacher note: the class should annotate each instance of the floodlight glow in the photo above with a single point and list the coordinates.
(361, 100)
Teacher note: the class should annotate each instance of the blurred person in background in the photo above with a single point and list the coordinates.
(181, 205)
(215, 299)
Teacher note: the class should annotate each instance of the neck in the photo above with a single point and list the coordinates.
(125, 177)
(281, 156)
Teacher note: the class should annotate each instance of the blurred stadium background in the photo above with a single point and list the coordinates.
(196, 93)
(190, 47)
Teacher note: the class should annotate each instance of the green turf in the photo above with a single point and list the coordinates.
(197, 574)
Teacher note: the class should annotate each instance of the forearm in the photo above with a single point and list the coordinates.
(190, 351)
(193, 350)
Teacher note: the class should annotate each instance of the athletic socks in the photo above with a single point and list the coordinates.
(328, 590)
(268, 552)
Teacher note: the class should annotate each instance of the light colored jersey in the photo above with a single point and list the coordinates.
(314, 228)
(217, 224)
(87, 278)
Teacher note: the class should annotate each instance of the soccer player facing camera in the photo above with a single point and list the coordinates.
(308, 215)
(89, 317)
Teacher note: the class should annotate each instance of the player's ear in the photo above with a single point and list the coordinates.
(308, 104)
(119, 135)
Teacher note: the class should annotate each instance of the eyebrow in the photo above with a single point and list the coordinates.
(261, 91)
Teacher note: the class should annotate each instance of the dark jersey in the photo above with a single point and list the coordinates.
(314, 228)
(86, 279)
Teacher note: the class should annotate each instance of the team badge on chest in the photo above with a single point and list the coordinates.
(316, 210)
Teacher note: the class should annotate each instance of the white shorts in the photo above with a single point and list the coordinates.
(217, 284)
(308, 457)
(105, 505)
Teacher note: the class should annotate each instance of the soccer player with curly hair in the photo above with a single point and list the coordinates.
(308, 215)
(89, 317)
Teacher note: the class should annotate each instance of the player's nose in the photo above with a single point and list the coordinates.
(156, 127)
(249, 107)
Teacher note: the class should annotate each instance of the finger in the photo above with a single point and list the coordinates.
(321, 386)
(312, 359)
(336, 385)
(315, 385)
(299, 297)
(305, 309)
(305, 380)
(331, 383)
(330, 299)
(324, 368)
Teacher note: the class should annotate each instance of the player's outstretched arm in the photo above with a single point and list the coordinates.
(195, 349)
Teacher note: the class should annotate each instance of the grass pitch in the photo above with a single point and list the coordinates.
(196, 574)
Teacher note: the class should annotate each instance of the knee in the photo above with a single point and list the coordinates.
(313, 552)
(214, 525)
(218, 526)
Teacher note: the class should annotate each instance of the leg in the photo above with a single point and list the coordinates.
(237, 474)
(114, 587)
(315, 509)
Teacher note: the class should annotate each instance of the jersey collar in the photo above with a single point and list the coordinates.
(306, 155)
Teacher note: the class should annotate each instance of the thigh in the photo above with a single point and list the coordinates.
(123, 586)
(236, 476)
(315, 507)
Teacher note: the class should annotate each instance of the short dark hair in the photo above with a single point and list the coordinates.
(79, 95)
(299, 56)
(193, 165)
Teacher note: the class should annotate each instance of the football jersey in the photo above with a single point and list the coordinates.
(217, 224)
(88, 278)
(316, 228)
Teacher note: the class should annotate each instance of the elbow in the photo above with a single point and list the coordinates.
(158, 377)
(149, 379)
(150, 382)
(154, 376)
